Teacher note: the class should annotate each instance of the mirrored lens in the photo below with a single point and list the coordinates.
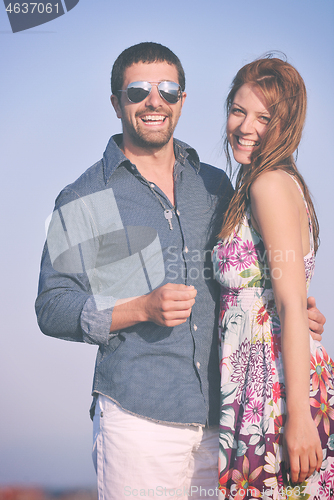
(138, 91)
(170, 91)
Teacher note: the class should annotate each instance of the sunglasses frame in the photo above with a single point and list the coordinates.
(152, 84)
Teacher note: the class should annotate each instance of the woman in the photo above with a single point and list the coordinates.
(277, 428)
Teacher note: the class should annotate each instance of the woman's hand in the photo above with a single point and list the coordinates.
(302, 450)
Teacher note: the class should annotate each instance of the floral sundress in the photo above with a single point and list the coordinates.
(252, 382)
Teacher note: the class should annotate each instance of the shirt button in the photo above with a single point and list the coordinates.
(152, 185)
(177, 212)
(198, 364)
(133, 167)
(186, 249)
(195, 328)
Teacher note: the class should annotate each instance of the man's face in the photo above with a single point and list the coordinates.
(149, 124)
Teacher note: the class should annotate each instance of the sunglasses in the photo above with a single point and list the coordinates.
(138, 91)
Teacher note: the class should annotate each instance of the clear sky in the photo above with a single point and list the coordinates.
(56, 119)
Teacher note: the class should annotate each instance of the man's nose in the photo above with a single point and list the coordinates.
(154, 98)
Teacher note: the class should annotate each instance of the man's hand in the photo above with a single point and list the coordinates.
(169, 305)
(316, 319)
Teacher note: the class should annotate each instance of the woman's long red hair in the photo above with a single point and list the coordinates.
(285, 94)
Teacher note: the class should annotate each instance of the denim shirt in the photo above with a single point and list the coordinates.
(114, 235)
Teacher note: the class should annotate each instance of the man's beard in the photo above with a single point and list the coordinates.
(152, 139)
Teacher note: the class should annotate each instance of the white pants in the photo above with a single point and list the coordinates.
(135, 457)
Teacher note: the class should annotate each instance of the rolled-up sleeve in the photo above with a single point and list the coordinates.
(95, 323)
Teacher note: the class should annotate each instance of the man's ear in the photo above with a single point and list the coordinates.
(116, 105)
(183, 98)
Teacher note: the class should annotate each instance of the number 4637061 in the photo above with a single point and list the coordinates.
(30, 8)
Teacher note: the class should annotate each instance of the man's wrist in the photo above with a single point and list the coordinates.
(128, 312)
(141, 309)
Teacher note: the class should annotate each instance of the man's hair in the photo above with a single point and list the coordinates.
(145, 52)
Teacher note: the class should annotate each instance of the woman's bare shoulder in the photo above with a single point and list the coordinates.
(272, 184)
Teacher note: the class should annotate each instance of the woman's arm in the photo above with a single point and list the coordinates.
(279, 213)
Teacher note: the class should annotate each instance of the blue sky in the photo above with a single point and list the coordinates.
(56, 121)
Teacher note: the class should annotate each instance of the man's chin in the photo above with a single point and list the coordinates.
(153, 141)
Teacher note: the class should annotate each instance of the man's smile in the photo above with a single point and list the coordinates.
(153, 119)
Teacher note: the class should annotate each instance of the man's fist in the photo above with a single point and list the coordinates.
(169, 305)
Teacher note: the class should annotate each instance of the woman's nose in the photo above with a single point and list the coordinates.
(247, 125)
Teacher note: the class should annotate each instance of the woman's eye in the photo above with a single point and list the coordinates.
(236, 111)
(264, 119)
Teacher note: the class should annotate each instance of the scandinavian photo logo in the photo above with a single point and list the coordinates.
(24, 15)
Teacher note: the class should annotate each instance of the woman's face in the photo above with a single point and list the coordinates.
(247, 122)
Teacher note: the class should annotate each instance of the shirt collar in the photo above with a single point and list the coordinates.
(113, 157)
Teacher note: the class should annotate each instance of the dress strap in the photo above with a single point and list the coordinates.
(307, 210)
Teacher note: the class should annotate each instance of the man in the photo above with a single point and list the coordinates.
(128, 251)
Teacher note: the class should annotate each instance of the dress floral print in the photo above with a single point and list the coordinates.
(252, 382)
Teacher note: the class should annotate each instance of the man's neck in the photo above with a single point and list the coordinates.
(156, 165)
